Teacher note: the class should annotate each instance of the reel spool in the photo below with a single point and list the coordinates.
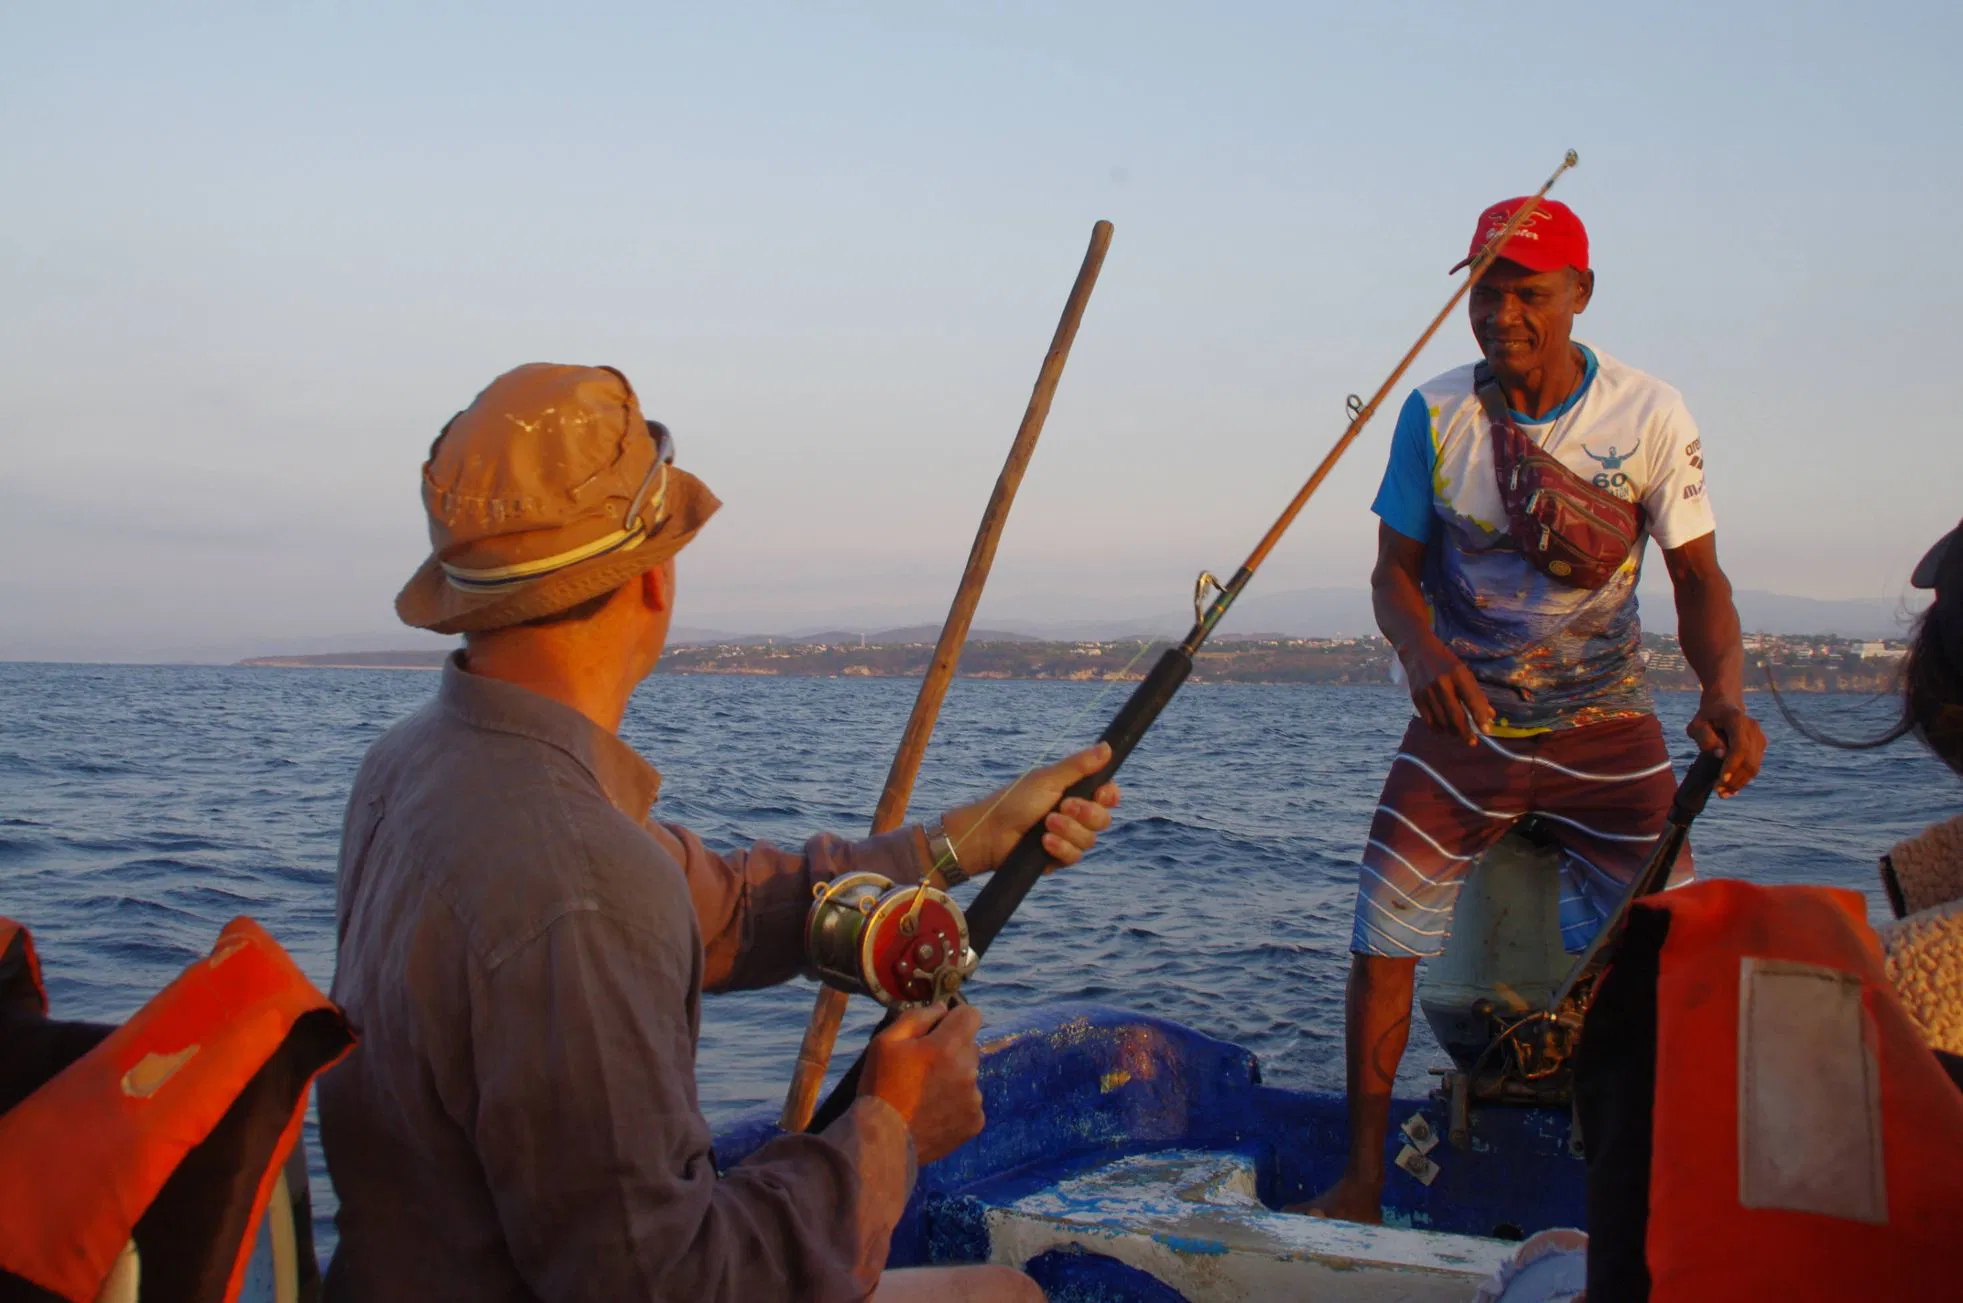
(903, 946)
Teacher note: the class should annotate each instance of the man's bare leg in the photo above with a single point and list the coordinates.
(1376, 1025)
(979, 1284)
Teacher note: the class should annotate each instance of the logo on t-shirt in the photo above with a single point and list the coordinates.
(1612, 477)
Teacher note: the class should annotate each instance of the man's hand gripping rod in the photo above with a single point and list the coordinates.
(1013, 878)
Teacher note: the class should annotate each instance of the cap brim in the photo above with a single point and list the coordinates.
(1530, 265)
(430, 601)
(1932, 561)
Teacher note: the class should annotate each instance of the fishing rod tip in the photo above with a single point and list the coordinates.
(1572, 159)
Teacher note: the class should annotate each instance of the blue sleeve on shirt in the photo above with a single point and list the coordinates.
(1404, 499)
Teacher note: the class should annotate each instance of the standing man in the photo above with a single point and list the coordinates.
(524, 948)
(1524, 655)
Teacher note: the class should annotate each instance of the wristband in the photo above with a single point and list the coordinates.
(940, 849)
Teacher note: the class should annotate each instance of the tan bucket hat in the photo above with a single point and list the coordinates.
(548, 490)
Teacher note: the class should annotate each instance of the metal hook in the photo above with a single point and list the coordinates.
(1201, 587)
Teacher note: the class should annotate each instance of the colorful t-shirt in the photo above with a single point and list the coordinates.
(1548, 654)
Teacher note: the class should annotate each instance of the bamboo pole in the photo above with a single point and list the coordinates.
(815, 1054)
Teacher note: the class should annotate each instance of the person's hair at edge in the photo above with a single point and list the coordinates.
(1932, 688)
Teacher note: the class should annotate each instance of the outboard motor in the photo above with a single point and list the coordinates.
(1503, 999)
(1504, 957)
(1503, 961)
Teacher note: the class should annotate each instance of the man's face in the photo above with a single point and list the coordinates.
(1522, 319)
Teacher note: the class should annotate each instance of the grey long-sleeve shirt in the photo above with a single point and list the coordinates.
(523, 952)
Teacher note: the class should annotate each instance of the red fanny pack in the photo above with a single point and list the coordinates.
(1569, 529)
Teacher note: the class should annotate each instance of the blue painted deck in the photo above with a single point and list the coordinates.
(1071, 1087)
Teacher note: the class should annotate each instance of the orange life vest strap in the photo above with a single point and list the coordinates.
(1807, 1144)
(82, 1158)
(20, 968)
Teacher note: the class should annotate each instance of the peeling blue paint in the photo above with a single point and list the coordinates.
(1188, 1244)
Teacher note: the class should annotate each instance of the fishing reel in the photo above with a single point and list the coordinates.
(903, 946)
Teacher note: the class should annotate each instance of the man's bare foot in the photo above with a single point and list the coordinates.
(1351, 1199)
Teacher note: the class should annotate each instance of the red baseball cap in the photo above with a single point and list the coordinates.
(1552, 236)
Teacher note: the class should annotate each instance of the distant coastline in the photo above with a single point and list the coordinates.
(1804, 664)
(402, 660)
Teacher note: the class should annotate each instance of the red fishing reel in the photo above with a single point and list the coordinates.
(903, 946)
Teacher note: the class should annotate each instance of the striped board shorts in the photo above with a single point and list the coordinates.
(1603, 791)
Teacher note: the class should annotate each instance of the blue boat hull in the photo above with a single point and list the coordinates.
(1082, 1097)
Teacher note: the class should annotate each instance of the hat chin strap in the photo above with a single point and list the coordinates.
(494, 578)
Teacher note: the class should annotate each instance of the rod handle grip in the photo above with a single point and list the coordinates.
(1695, 791)
(1019, 871)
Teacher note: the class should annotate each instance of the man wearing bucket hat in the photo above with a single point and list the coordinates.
(524, 948)
(1513, 518)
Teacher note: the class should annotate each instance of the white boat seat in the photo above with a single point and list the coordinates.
(1191, 1219)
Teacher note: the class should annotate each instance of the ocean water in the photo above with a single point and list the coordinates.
(141, 808)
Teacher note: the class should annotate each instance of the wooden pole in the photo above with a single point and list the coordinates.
(815, 1054)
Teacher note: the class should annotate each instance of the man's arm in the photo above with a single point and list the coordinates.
(1679, 517)
(1707, 629)
(584, 1117)
(1442, 688)
(752, 903)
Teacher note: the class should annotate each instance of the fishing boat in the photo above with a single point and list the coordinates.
(1127, 1156)
(1131, 1157)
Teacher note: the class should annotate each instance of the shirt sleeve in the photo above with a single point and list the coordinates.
(599, 1161)
(1404, 498)
(752, 903)
(1675, 505)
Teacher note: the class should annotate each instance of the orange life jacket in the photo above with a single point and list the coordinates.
(1806, 1143)
(171, 1131)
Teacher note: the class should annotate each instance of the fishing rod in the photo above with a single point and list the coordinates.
(1026, 864)
(828, 1011)
(1692, 796)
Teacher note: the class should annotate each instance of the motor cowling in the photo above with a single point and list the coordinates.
(902, 945)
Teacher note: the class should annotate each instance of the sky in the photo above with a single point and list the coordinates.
(253, 257)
